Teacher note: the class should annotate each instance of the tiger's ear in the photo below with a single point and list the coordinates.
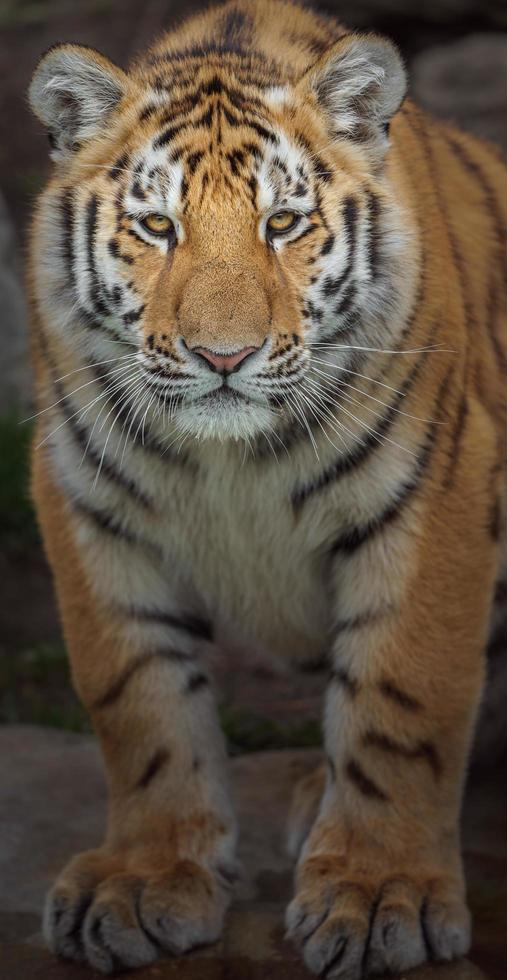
(73, 91)
(360, 82)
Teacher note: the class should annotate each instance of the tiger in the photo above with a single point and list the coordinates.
(270, 350)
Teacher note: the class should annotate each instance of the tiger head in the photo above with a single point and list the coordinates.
(227, 219)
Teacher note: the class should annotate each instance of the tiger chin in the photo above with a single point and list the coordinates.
(270, 346)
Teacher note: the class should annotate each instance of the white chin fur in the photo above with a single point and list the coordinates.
(223, 419)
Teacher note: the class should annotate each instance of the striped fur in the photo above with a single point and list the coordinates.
(340, 488)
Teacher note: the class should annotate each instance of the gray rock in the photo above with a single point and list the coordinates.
(466, 82)
(14, 369)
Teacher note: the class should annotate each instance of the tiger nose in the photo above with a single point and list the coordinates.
(224, 363)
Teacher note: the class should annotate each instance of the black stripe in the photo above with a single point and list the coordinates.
(118, 687)
(196, 683)
(304, 233)
(114, 249)
(355, 459)
(328, 244)
(419, 125)
(331, 286)
(374, 240)
(495, 519)
(67, 214)
(363, 783)
(120, 165)
(394, 693)
(500, 595)
(180, 107)
(147, 442)
(347, 300)
(341, 677)
(491, 317)
(423, 750)
(236, 27)
(457, 438)
(354, 537)
(476, 171)
(156, 763)
(91, 227)
(368, 618)
(168, 134)
(81, 435)
(244, 120)
(370, 442)
(149, 111)
(193, 160)
(133, 316)
(111, 525)
(194, 625)
(492, 205)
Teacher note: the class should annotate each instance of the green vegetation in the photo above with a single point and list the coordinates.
(247, 732)
(36, 689)
(18, 526)
(30, 182)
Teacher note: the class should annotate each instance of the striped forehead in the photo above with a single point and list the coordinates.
(270, 164)
(283, 175)
(155, 181)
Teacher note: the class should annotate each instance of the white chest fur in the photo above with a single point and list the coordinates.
(253, 564)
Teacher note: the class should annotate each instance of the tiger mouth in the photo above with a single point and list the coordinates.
(224, 396)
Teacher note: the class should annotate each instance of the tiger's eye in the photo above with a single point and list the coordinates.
(157, 224)
(282, 221)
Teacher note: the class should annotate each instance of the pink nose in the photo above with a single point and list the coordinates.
(224, 362)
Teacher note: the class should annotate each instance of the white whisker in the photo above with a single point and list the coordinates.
(374, 434)
(345, 384)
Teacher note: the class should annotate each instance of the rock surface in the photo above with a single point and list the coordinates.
(53, 803)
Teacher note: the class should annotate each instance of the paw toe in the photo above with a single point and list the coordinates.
(301, 920)
(448, 929)
(396, 940)
(112, 933)
(336, 949)
(63, 914)
(182, 908)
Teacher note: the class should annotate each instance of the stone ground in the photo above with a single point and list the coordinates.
(53, 804)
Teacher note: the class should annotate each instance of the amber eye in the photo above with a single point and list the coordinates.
(282, 221)
(157, 224)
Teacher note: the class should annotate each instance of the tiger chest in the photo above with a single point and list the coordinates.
(257, 569)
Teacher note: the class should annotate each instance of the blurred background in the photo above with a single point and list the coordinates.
(457, 56)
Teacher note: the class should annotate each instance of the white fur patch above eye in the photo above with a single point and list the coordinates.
(265, 188)
(271, 193)
(160, 184)
(173, 193)
(277, 96)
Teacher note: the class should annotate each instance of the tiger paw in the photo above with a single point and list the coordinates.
(105, 913)
(349, 927)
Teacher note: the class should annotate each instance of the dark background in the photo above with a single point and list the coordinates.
(456, 52)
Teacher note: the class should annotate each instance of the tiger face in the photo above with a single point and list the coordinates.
(223, 220)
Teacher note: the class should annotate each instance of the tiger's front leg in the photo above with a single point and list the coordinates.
(162, 877)
(379, 883)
